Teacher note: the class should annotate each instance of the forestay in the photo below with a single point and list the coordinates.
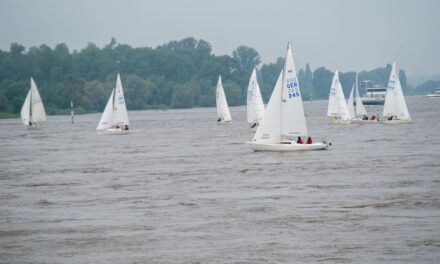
(107, 116)
(25, 112)
(269, 130)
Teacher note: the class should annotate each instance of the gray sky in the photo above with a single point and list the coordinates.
(337, 34)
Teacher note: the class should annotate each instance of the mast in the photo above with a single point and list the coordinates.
(71, 111)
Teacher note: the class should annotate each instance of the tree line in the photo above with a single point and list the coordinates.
(178, 74)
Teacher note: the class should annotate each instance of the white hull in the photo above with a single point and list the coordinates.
(340, 122)
(224, 122)
(113, 131)
(372, 100)
(286, 147)
(397, 121)
(361, 121)
(34, 126)
(433, 95)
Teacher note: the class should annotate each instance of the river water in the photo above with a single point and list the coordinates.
(182, 189)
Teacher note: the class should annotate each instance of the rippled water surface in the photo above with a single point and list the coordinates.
(183, 190)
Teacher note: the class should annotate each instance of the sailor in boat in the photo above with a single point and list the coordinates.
(393, 117)
(365, 117)
(254, 125)
(219, 119)
(300, 141)
(126, 127)
(373, 117)
(309, 140)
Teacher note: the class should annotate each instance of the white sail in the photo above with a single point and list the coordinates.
(120, 116)
(332, 108)
(255, 105)
(115, 111)
(350, 104)
(360, 109)
(337, 106)
(293, 121)
(25, 112)
(37, 108)
(106, 120)
(222, 104)
(269, 130)
(284, 118)
(395, 104)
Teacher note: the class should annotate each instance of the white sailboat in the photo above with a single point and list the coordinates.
(223, 114)
(337, 108)
(32, 112)
(255, 105)
(359, 113)
(284, 123)
(395, 110)
(114, 119)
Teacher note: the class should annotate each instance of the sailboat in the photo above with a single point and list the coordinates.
(255, 105)
(395, 110)
(223, 114)
(114, 119)
(359, 110)
(32, 112)
(284, 122)
(337, 108)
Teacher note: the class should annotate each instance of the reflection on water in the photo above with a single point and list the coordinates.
(183, 190)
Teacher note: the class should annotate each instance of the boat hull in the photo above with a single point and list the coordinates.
(340, 122)
(113, 131)
(372, 100)
(397, 121)
(223, 122)
(286, 147)
(361, 121)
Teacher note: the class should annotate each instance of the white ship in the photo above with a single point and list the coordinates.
(434, 94)
(374, 95)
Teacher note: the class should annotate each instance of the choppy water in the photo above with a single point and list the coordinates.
(184, 190)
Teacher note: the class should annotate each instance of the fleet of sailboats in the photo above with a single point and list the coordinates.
(255, 105)
(284, 122)
(395, 110)
(280, 127)
(32, 112)
(114, 119)
(223, 114)
(337, 108)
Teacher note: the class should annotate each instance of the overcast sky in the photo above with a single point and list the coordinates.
(338, 34)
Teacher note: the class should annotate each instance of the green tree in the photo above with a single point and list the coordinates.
(183, 97)
(269, 76)
(247, 58)
(233, 93)
(137, 91)
(322, 79)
